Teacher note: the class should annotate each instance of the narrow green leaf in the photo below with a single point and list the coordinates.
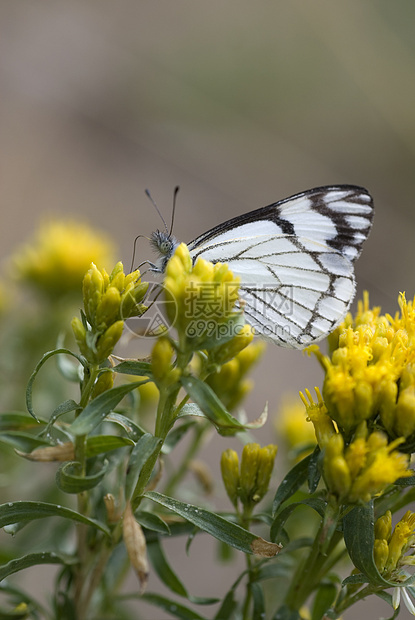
(151, 521)
(314, 469)
(99, 444)
(295, 478)
(23, 441)
(285, 613)
(70, 480)
(191, 409)
(177, 610)
(175, 435)
(132, 429)
(39, 365)
(14, 512)
(213, 408)
(17, 420)
(168, 576)
(281, 517)
(215, 525)
(259, 602)
(228, 606)
(32, 559)
(325, 596)
(97, 410)
(163, 568)
(142, 451)
(359, 537)
(66, 407)
(134, 367)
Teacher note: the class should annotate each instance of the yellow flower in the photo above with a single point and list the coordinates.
(200, 298)
(108, 300)
(365, 468)
(391, 547)
(317, 414)
(59, 255)
(370, 375)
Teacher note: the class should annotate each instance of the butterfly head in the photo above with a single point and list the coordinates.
(164, 244)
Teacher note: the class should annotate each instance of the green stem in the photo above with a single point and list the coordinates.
(313, 567)
(194, 445)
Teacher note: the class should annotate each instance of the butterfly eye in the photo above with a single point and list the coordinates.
(165, 246)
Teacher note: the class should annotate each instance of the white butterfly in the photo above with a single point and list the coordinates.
(294, 257)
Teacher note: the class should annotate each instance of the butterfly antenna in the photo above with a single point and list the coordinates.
(134, 248)
(176, 191)
(157, 209)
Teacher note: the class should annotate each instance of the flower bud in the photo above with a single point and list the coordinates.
(108, 340)
(229, 465)
(380, 553)
(104, 382)
(383, 526)
(108, 309)
(135, 543)
(161, 358)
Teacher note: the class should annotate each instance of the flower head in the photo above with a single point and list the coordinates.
(108, 301)
(370, 375)
(200, 298)
(59, 255)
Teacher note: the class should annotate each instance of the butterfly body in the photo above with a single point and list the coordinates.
(295, 260)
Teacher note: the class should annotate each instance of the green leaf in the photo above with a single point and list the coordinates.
(151, 521)
(70, 480)
(177, 610)
(97, 410)
(281, 517)
(228, 606)
(39, 365)
(15, 512)
(66, 407)
(132, 429)
(23, 441)
(285, 613)
(259, 602)
(325, 596)
(213, 408)
(134, 367)
(295, 478)
(142, 451)
(216, 526)
(99, 444)
(175, 435)
(359, 537)
(32, 559)
(169, 577)
(17, 420)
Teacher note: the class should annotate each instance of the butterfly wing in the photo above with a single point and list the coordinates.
(295, 260)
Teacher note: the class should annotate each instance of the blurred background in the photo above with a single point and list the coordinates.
(239, 103)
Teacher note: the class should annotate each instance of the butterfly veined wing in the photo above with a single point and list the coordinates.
(295, 260)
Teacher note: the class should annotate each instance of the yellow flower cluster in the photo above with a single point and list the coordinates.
(371, 373)
(250, 482)
(363, 467)
(56, 260)
(108, 301)
(390, 546)
(200, 298)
